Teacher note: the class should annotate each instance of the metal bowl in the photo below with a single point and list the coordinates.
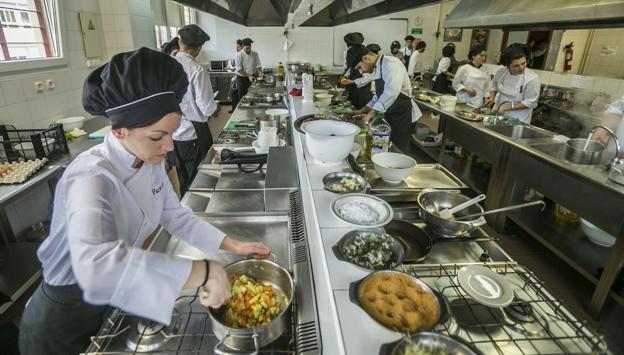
(576, 152)
(430, 341)
(335, 178)
(396, 247)
(431, 202)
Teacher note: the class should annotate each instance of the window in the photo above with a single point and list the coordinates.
(29, 30)
(189, 15)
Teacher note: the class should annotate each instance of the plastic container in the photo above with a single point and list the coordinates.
(377, 136)
(447, 103)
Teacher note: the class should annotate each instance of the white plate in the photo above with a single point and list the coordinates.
(383, 209)
(485, 286)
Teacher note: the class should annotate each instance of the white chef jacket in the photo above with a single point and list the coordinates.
(443, 65)
(396, 82)
(407, 51)
(198, 103)
(103, 211)
(523, 88)
(364, 80)
(415, 64)
(617, 108)
(248, 62)
(477, 78)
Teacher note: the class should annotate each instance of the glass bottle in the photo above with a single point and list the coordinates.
(280, 68)
(564, 215)
(377, 136)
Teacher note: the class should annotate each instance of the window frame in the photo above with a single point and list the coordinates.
(14, 67)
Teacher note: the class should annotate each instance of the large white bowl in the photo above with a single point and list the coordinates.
(70, 123)
(393, 167)
(329, 141)
(597, 235)
(264, 150)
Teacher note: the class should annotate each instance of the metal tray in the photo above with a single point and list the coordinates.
(424, 176)
(450, 345)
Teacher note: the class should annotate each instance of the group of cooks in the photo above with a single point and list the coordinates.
(114, 196)
(378, 82)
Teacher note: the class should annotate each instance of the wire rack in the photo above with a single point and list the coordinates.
(195, 336)
(552, 330)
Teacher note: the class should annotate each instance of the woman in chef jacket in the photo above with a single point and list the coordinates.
(472, 81)
(613, 118)
(515, 88)
(441, 81)
(109, 200)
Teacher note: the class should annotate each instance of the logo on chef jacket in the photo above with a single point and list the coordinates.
(157, 189)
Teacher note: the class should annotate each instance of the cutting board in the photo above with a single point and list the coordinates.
(100, 133)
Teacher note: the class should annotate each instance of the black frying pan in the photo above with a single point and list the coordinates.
(418, 243)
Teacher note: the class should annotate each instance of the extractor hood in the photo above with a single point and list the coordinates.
(531, 14)
(300, 12)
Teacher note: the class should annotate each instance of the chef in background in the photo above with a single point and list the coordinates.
(358, 96)
(515, 89)
(613, 118)
(393, 96)
(408, 50)
(247, 67)
(366, 77)
(472, 81)
(232, 68)
(108, 201)
(193, 138)
(443, 77)
(172, 47)
(414, 67)
(395, 50)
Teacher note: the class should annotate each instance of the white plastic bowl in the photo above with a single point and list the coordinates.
(355, 151)
(261, 150)
(320, 91)
(393, 167)
(597, 235)
(329, 141)
(70, 123)
(323, 99)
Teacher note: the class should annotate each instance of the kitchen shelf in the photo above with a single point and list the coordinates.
(566, 241)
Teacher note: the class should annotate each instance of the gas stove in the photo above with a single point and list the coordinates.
(535, 322)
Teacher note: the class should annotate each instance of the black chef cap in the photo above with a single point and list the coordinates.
(247, 41)
(354, 38)
(374, 47)
(170, 46)
(409, 38)
(475, 50)
(421, 45)
(239, 42)
(193, 36)
(135, 88)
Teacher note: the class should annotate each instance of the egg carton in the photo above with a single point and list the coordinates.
(18, 172)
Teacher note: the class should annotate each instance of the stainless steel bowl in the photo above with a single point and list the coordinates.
(576, 153)
(431, 202)
(252, 339)
(396, 248)
(336, 177)
(430, 342)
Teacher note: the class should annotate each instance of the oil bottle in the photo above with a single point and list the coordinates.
(377, 136)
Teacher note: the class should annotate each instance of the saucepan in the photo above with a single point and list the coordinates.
(431, 202)
(250, 340)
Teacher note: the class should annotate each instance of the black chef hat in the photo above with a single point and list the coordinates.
(135, 88)
(193, 36)
(354, 38)
(374, 47)
(247, 41)
(409, 38)
(170, 46)
(475, 50)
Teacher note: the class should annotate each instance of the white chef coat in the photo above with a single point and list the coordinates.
(617, 108)
(198, 103)
(407, 51)
(443, 65)
(477, 78)
(104, 209)
(396, 82)
(364, 80)
(250, 63)
(523, 88)
(415, 64)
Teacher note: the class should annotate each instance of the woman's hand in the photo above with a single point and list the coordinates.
(470, 91)
(217, 288)
(503, 108)
(254, 249)
(488, 101)
(368, 116)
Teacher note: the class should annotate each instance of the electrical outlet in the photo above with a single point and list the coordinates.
(50, 84)
(39, 86)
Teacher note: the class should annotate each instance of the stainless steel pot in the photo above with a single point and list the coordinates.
(269, 98)
(431, 202)
(239, 340)
(575, 153)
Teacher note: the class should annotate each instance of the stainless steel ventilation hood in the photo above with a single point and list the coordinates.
(297, 12)
(531, 14)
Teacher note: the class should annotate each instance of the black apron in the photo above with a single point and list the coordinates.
(358, 97)
(242, 86)
(406, 58)
(398, 115)
(204, 137)
(57, 321)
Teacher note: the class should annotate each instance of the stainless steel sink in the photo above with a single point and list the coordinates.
(555, 150)
(518, 131)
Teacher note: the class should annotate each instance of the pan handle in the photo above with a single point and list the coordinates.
(222, 349)
(338, 253)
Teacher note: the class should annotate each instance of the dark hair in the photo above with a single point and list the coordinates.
(421, 45)
(246, 41)
(193, 36)
(374, 47)
(170, 46)
(448, 51)
(515, 51)
(409, 38)
(395, 44)
(239, 42)
(475, 50)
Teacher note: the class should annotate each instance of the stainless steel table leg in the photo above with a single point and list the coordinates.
(609, 274)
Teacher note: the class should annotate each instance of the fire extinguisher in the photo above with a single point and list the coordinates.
(569, 54)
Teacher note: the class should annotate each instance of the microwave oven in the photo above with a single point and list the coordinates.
(218, 65)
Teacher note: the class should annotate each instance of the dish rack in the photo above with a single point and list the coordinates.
(24, 144)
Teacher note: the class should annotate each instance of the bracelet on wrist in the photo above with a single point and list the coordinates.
(207, 264)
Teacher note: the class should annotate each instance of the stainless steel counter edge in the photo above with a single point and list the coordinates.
(595, 175)
(331, 333)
